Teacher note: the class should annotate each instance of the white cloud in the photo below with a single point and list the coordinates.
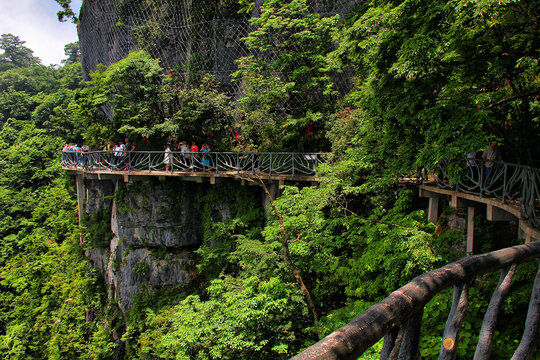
(36, 23)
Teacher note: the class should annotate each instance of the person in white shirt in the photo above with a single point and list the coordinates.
(167, 158)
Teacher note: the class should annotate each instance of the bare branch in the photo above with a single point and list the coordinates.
(512, 98)
(286, 255)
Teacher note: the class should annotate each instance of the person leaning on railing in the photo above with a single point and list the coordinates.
(128, 147)
(184, 158)
(167, 158)
(205, 157)
(194, 149)
(489, 156)
(118, 151)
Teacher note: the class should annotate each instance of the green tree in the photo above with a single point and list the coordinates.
(436, 79)
(135, 96)
(15, 54)
(288, 87)
(72, 52)
(251, 318)
(66, 12)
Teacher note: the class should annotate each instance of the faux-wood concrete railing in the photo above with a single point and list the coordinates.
(214, 162)
(519, 184)
(398, 317)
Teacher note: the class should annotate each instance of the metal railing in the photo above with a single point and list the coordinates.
(271, 164)
(518, 184)
(398, 317)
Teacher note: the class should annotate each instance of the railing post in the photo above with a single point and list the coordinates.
(487, 332)
(237, 163)
(482, 180)
(270, 166)
(409, 347)
(149, 163)
(293, 155)
(216, 163)
(454, 321)
(529, 340)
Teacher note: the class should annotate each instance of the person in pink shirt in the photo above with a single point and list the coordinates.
(194, 149)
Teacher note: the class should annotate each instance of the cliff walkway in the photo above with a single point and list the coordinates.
(195, 166)
(507, 192)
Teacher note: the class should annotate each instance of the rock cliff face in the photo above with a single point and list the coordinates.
(154, 229)
(198, 36)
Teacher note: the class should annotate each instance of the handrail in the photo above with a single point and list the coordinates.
(518, 184)
(277, 163)
(398, 316)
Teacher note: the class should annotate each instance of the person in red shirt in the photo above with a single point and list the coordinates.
(194, 149)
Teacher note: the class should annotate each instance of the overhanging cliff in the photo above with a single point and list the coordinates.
(142, 235)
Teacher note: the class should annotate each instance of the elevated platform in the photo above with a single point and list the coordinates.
(199, 167)
(496, 210)
(197, 176)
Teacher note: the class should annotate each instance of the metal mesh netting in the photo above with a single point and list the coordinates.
(199, 36)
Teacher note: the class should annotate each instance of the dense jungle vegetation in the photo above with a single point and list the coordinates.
(430, 80)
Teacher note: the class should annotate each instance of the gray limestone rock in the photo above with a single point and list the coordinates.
(154, 214)
(155, 228)
(98, 195)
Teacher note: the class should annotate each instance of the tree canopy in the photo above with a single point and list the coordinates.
(440, 78)
(15, 54)
(396, 85)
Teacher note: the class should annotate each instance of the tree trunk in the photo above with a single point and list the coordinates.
(287, 256)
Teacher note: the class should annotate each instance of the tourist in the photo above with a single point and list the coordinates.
(108, 156)
(118, 150)
(184, 149)
(194, 149)
(77, 150)
(128, 147)
(167, 158)
(205, 157)
(84, 149)
(473, 167)
(489, 156)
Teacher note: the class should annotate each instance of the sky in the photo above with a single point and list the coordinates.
(36, 23)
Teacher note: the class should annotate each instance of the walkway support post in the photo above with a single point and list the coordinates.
(79, 180)
(433, 207)
(470, 230)
(433, 211)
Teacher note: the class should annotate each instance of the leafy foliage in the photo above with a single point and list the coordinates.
(447, 76)
(15, 54)
(432, 80)
(150, 104)
(288, 88)
(51, 304)
(236, 331)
